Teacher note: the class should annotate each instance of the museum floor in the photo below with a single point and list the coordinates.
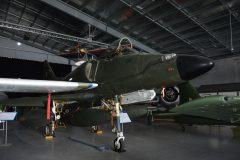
(166, 142)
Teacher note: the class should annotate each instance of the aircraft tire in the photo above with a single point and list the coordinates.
(48, 131)
(120, 146)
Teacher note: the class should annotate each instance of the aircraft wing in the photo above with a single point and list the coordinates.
(68, 98)
(41, 86)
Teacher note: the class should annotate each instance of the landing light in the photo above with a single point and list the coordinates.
(19, 43)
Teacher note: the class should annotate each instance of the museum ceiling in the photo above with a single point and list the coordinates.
(209, 28)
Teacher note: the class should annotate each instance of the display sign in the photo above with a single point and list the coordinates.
(7, 116)
(124, 118)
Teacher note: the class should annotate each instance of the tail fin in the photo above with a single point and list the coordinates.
(48, 72)
(187, 93)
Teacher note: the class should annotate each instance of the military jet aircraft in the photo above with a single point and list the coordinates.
(209, 110)
(123, 75)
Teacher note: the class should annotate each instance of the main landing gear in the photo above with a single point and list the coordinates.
(150, 118)
(53, 116)
(119, 144)
(49, 128)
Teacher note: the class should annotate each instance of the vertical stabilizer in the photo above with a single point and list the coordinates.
(48, 72)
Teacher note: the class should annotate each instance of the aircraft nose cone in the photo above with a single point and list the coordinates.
(190, 67)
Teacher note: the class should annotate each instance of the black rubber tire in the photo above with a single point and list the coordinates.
(149, 120)
(94, 129)
(48, 131)
(119, 148)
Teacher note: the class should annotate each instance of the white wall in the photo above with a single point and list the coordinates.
(10, 49)
(225, 71)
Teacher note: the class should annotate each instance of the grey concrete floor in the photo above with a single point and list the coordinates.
(166, 142)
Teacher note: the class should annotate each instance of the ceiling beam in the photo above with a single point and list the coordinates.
(62, 6)
(153, 6)
(19, 39)
(225, 4)
(201, 25)
(27, 20)
(44, 28)
(8, 7)
(34, 56)
(21, 15)
(168, 29)
(42, 13)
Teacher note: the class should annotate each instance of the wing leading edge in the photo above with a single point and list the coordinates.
(41, 86)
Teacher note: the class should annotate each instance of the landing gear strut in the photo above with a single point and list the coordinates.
(119, 145)
(49, 128)
(52, 117)
(149, 119)
(150, 115)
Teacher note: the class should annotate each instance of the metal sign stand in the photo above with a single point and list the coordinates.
(4, 118)
(5, 133)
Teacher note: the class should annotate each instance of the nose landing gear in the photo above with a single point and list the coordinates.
(119, 144)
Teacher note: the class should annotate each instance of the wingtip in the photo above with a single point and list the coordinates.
(92, 85)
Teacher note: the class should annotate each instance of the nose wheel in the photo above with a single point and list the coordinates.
(119, 144)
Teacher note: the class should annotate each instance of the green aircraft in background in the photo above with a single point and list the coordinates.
(123, 78)
(209, 110)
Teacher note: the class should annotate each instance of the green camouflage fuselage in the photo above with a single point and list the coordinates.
(218, 108)
(128, 73)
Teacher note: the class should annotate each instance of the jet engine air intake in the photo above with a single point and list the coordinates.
(169, 99)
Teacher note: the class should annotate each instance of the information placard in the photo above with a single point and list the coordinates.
(124, 118)
(7, 116)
